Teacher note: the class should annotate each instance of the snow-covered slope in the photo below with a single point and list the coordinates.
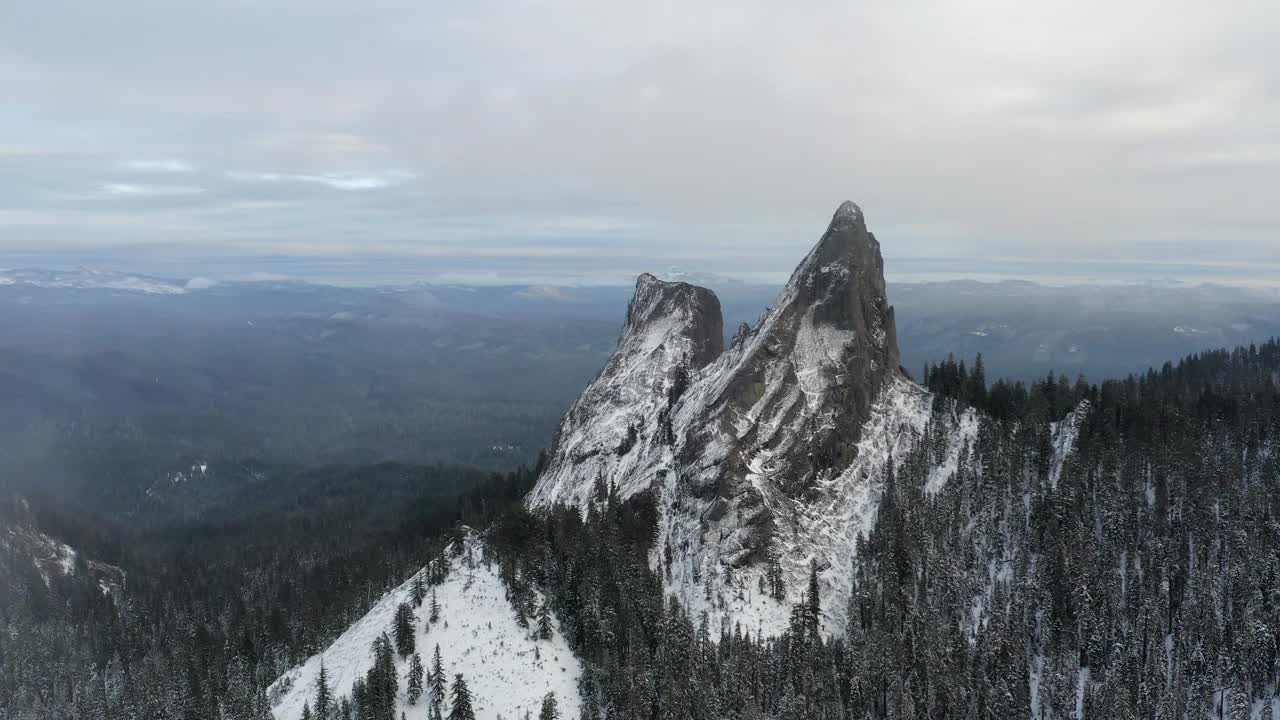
(774, 448)
(508, 670)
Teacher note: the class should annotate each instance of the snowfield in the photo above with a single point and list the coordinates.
(506, 668)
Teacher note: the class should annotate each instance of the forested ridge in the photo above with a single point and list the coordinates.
(212, 613)
(1131, 575)
(1137, 579)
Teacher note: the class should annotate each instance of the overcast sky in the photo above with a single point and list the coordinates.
(596, 139)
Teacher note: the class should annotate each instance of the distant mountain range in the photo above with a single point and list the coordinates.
(94, 361)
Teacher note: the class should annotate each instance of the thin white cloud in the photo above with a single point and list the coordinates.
(158, 166)
(117, 189)
(336, 181)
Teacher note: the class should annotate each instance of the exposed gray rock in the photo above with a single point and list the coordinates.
(772, 447)
(672, 331)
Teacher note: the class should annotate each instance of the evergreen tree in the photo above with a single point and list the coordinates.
(405, 623)
(550, 709)
(382, 683)
(324, 697)
(436, 678)
(461, 707)
(544, 621)
(813, 608)
(414, 681)
(1240, 709)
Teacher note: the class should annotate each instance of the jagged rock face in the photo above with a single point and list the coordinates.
(694, 310)
(672, 331)
(757, 449)
(795, 392)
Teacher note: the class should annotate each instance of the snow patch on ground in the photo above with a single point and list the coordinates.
(506, 668)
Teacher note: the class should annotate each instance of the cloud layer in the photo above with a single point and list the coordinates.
(601, 138)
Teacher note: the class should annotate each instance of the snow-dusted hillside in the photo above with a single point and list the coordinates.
(772, 451)
(507, 669)
(51, 557)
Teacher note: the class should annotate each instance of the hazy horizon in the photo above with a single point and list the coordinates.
(390, 272)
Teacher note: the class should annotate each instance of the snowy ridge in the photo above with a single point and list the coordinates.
(774, 451)
(507, 670)
(88, 279)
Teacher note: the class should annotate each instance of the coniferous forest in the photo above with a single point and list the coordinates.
(1140, 578)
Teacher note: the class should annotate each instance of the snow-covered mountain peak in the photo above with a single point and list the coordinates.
(843, 276)
(749, 449)
(848, 211)
(660, 309)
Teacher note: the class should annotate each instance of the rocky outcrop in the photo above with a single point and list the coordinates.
(770, 449)
(797, 389)
(672, 331)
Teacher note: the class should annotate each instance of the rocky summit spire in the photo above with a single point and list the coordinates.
(832, 332)
(743, 446)
(843, 277)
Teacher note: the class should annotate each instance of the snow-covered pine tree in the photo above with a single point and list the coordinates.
(550, 708)
(404, 627)
(544, 621)
(461, 705)
(414, 679)
(324, 696)
(435, 680)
